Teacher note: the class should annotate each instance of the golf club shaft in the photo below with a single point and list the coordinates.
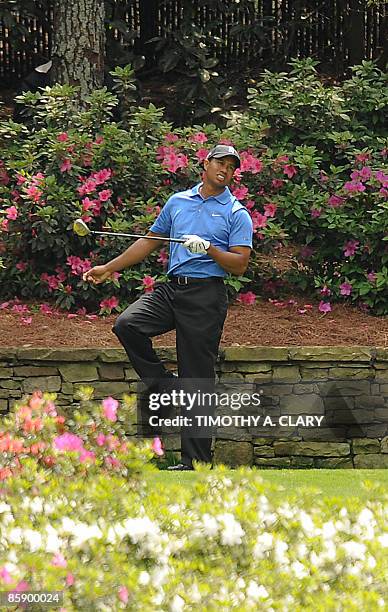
(180, 240)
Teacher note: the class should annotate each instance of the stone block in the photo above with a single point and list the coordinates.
(6, 372)
(112, 355)
(259, 377)
(364, 446)
(255, 353)
(313, 373)
(286, 373)
(381, 353)
(357, 373)
(302, 389)
(130, 374)
(264, 451)
(302, 404)
(273, 462)
(371, 461)
(384, 445)
(171, 443)
(334, 462)
(8, 354)
(233, 454)
(3, 405)
(262, 441)
(375, 389)
(338, 403)
(10, 384)
(344, 388)
(325, 434)
(255, 367)
(312, 449)
(27, 371)
(381, 377)
(330, 353)
(77, 372)
(278, 389)
(47, 383)
(111, 371)
(231, 377)
(67, 388)
(382, 414)
(368, 402)
(65, 354)
(302, 462)
(376, 431)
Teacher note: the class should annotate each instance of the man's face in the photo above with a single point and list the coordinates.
(219, 172)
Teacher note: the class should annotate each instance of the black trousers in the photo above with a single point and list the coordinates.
(197, 311)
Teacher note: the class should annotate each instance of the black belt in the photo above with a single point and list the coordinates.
(187, 280)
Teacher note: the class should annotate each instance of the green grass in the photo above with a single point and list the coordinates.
(330, 483)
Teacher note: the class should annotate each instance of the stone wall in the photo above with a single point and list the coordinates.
(349, 383)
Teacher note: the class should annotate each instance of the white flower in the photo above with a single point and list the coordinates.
(299, 569)
(370, 562)
(307, 523)
(144, 578)
(5, 507)
(280, 550)
(36, 505)
(68, 524)
(194, 594)
(33, 538)
(209, 525)
(83, 532)
(328, 530)
(233, 532)
(177, 604)
(366, 517)
(264, 543)
(354, 550)
(158, 576)
(53, 542)
(15, 535)
(256, 592)
(383, 540)
(140, 528)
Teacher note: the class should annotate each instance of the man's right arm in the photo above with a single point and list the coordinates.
(134, 254)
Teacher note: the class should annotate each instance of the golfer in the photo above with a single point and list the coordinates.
(218, 239)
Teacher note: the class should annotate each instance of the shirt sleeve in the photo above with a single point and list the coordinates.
(162, 225)
(241, 231)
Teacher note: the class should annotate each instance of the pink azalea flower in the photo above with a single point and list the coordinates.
(325, 291)
(270, 209)
(4, 177)
(157, 447)
(4, 225)
(22, 266)
(66, 165)
(123, 594)
(4, 305)
(335, 201)
(201, 155)
(70, 579)
(315, 212)
(148, 283)
(5, 576)
(20, 308)
(68, 442)
(250, 163)
(63, 137)
(85, 455)
(324, 306)
(104, 195)
(110, 406)
(100, 439)
(346, 289)
(362, 157)
(99, 140)
(163, 257)
(249, 204)
(354, 186)
(58, 560)
(277, 183)
(88, 186)
(323, 177)
(26, 320)
(259, 221)
(34, 193)
(20, 179)
(12, 213)
(240, 192)
(247, 298)
(371, 276)
(365, 173)
(109, 304)
(21, 586)
(199, 137)
(169, 137)
(102, 176)
(78, 265)
(290, 170)
(384, 192)
(382, 177)
(350, 248)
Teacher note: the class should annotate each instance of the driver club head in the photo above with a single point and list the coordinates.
(80, 228)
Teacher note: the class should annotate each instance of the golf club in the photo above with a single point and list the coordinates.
(81, 229)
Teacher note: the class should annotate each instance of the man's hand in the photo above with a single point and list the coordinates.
(195, 244)
(96, 275)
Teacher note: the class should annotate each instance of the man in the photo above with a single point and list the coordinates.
(218, 240)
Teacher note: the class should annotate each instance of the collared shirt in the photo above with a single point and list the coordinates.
(221, 219)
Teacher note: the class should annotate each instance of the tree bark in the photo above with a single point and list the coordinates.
(79, 44)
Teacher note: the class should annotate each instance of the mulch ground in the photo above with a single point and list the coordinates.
(261, 324)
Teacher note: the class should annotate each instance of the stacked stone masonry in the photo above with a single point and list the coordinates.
(298, 377)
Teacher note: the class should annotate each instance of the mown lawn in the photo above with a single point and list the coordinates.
(330, 483)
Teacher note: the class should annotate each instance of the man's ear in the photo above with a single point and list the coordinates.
(205, 164)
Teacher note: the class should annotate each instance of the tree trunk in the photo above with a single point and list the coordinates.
(79, 44)
(356, 32)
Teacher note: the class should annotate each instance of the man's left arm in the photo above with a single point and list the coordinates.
(234, 261)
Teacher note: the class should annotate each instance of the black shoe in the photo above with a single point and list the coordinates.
(180, 467)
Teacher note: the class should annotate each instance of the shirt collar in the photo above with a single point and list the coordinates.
(223, 198)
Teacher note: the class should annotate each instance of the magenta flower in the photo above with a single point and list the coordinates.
(240, 192)
(88, 186)
(365, 173)
(290, 170)
(104, 195)
(270, 209)
(350, 248)
(315, 212)
(110, 406)
(247, 298)
(169, 137)
(70, 579)
(123, 594)
(201, 155)
(277, 183)
(372, 277)
(68, 442)
(58, 560)
(26, 320)
(163, 257)
(354, 186)
(63, 137)
(22, 266)
(382, 178)
(250, 163)
(346, 289)
(34, 193)
(199, 137)
(259, 221)
(85, 455)
(102, 176)
(66, 165)
(325, 291)
(5, 576)
(323, 177)
(148, 283)
(11, 213)
(324, 306)
(157, 447)
(4, 225)
(362, 157)
(109, 304)
(78, 265)
(100, 439)
(335, 201)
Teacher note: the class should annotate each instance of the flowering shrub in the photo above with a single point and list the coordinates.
(224, 542)
(313, 174)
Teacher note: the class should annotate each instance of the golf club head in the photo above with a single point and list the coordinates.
(80, 228)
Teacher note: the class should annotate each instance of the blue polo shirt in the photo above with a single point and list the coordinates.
(221, 219)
